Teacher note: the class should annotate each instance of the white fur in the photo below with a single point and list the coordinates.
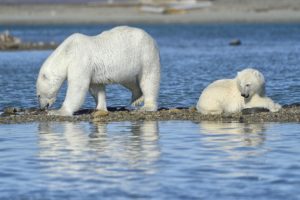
(123, 55)
(247, 90)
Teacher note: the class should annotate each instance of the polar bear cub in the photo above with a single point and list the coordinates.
(123, 55)
(246, 90)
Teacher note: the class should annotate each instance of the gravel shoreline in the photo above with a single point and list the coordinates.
(289, 113)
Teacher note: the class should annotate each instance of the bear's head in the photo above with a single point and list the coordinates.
(250, 82)
(46, 90)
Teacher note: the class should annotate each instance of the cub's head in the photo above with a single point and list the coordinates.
(250, 82)
(45, 90)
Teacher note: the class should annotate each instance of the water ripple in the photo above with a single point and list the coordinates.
(150, 159)
(200, 55)
(172, 160)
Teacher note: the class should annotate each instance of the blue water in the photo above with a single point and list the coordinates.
(164, 159)
(192, 57)
(150, 160)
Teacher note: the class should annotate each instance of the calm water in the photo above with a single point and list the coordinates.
(149, 160)
(192, 57)
(158, 160)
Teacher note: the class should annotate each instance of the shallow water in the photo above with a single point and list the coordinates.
(149, 160)
(164, 159)
(192, 57)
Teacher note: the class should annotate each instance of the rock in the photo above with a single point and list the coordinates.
(174, 110)
(99, 113)
(34, 44)
(193, 109)
(7, 41)
(11, 110)
(84, 112)
(248, 111)
(235, 42)
(163, 108)
(10, 42)
(34, 111)
(41, 44)
(11, 45)
(291, 105)
(52, 43)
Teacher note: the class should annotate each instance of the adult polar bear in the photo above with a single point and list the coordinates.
(247, 90)
(123, 55)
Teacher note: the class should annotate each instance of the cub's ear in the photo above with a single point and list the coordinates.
(259, 76)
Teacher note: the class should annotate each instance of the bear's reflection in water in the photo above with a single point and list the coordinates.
(107, 149)
(237, 139)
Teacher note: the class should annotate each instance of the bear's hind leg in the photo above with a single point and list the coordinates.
(150, 89)
(98, 92)
(137, 95)
(207, 106)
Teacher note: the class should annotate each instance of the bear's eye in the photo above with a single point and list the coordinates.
(247, 85)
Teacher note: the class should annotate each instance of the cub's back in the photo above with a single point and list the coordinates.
(223, 84)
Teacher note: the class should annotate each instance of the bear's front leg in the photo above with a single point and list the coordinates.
(77, 89)
(149, 106)
(98, 92)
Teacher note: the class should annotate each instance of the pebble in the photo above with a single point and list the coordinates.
(174, 110)
(235, 42)
(11, 110)
(19, 115)
(100, 113)
(248, 111)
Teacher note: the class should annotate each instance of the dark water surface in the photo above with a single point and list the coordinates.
(164, 159)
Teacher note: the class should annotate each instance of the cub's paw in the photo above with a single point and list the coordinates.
(275, 108)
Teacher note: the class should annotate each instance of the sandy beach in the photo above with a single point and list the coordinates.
(221, 11)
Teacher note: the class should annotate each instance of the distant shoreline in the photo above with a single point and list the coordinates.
(87, 14)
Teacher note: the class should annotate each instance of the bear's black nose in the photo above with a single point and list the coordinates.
(244, 95)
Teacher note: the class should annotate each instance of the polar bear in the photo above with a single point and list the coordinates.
(123, 55)
(246, 90)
